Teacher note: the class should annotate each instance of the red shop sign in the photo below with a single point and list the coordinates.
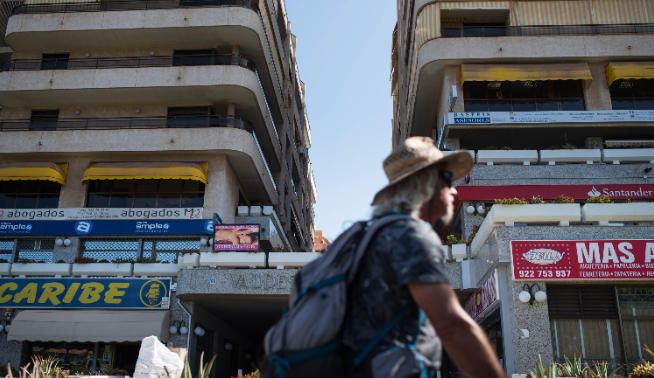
(555, 260)
(483, 297)
(580, 192)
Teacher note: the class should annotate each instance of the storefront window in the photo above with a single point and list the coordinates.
(633, 94)
(586, 322)
(145, 193)
(27, 250)
(523, 96)
(29, 194)
(150, 250)
(81, 358)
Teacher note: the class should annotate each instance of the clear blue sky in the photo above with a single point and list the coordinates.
(343, 53)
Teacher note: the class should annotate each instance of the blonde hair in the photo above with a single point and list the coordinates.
(410, 194)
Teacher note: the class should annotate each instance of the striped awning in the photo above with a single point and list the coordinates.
(629, 70)
(525, 72)
(146, 171)
(33, 172)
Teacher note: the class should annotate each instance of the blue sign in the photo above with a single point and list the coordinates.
(107, 227)
(100, 293)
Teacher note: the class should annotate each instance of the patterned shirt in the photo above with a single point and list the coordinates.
(403, 252)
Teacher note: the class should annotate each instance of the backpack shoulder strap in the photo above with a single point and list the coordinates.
(370, 234)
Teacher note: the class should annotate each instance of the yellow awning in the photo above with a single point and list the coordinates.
(629, 70)
(146, 171)
(33, 172)
(525, 72)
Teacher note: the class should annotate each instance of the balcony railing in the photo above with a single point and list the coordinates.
(516, 31)
(128, 62)
(126, 123)
(64, 6)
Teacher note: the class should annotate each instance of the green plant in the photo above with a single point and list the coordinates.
(542, 372)
(536, 200)
(510, 201)
(40, 367)
(599, 199)
(472, 235)
(85, 260)
(254, 374)
(146, 260)
(644, 369)
(573, 367)
(601, 370)
(453, 239)
(204, 370)
(564, 199)
(121, 260)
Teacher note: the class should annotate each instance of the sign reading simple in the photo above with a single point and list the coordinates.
(101, 293)
(552, 260)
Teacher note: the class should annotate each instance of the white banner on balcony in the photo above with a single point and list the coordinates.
(490, 118)
(101, 213)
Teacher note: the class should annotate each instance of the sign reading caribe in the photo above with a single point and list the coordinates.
(631, 259)
(105, 293)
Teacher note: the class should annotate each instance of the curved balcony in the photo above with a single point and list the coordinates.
(241, 147)
(512, 45)
(179, 85)
(66, 6)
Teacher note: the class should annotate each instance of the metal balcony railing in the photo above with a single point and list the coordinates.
(516, 31)
(64, 63)
(64, 6)
(125, 123)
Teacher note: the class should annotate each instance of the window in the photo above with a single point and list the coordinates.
(503, 96)
(184, 117)
(145, 193)
(159, 250)
(44, 120)
(29, 250)
(29, 194)
(585, 321)
(450, 29)
(54, 61)
(193, 57)
(633, 94)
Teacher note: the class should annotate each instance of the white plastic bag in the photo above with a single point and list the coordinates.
(153, 357)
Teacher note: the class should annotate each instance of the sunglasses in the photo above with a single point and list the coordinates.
(445, 177)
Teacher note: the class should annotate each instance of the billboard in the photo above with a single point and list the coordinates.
(236, 237)
(88, 293)
(100, 213)
(561, 260)
(643, 192)
(93, 227)
(549, 117)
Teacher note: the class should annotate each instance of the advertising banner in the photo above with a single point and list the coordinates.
(100, 213)
(107, 227)
(557, 260)
(236, 237)
(483, 297)
(89, 293)
(588, 116)
(547, 192)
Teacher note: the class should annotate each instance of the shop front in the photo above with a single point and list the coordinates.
(599, 295)
(88, 324)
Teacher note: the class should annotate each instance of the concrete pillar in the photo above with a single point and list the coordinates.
(596, 92)
(221, 191)
(73, 192)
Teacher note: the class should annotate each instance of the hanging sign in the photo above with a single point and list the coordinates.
(96, 293)
(556, 260)
(484, 297)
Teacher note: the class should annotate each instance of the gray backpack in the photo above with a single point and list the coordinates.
(305, 342)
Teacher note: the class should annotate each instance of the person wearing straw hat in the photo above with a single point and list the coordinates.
(401, 278)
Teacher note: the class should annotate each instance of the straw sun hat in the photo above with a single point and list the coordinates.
(417, 153)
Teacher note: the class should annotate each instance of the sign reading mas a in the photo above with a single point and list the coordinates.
(102, 293)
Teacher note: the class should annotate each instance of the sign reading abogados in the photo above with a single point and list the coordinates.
(104, 293)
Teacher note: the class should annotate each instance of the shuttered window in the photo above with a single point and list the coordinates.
(582, 302)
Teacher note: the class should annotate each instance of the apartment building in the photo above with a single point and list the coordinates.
(555, 101)
(131, 131)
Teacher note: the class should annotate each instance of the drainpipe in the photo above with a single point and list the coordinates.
(190, 329)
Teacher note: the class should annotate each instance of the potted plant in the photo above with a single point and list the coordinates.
(458, 247)
(34, 268)
(149, 266)
(511, 210)
(118, 267)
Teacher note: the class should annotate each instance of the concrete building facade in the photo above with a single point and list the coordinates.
(553, 99)
(130, 129)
